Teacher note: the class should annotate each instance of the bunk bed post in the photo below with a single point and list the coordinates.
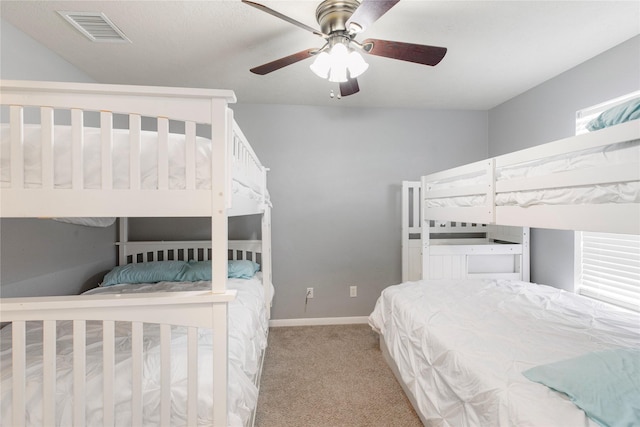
(425, 238)
(266, 258)
(524, 258)
(405, 231)
(424, 235)
(221, 139)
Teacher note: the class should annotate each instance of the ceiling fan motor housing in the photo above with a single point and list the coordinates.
(332, 15)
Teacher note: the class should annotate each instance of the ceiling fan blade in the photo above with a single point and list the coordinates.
(368, 12)
(418, 53)
(284, 17)
(349, 87)
(282, 62)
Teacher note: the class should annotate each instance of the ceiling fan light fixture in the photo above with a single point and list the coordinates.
(339, 62)
(334, 65)
(357, 65)
(321, 65)
(338, 74)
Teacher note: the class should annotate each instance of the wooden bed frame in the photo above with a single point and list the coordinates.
(232, 158)
(450, 250)
(603, 217)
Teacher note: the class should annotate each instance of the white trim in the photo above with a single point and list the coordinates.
(355, 320)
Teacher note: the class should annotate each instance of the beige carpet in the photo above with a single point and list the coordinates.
(329, 376)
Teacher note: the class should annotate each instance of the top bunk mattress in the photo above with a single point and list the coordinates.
(120, 153)
(610, 156)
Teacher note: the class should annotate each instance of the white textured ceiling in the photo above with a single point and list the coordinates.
(496, 49)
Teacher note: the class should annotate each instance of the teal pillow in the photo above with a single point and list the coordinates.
(195, 271)
(604, 384)
(144, 272)
(201, 270)
(624, 112)
(242, 269)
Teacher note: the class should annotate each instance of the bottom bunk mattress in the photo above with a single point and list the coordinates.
(248, 328)
(461, 348)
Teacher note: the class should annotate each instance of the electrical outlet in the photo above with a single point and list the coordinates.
(309, 292)
(353, 291)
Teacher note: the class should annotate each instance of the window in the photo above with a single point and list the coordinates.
(608, 268)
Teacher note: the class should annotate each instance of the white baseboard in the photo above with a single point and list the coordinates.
(275, 323)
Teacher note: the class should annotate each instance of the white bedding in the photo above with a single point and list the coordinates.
(247, 339)
(627, 192)
(120, 155)
(461, 347)
(614, 154)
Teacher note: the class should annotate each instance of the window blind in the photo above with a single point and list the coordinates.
(608, 268)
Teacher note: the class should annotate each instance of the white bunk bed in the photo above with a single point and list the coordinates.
(450, 250)
(203, 167)
(508, 352)
(588, 182)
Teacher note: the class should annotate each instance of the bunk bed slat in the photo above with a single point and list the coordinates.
(163, 153)
(165, 375)
(17, 143)
(106, 137)
(135, 137)
(190, 155)
(606, 175)
(77, 142)
(136, 373)
(46, 120)
(468, 190)
(79, 372)
(108, 362)
(18, 344)
(192, 376)
(48, 371)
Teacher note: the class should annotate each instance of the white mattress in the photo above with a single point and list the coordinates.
(461, 347)
(247, 339)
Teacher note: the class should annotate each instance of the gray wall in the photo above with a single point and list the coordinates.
(44, 257)
(546, 113)
(335, 185)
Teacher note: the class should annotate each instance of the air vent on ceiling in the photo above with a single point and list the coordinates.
(95, 26)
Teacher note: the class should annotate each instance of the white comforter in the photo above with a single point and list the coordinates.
(92, 158)
(461, 347)
(247, 339)
(615, 154)
(92, 167)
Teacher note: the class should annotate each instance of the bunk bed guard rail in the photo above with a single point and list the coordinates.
(120, 109)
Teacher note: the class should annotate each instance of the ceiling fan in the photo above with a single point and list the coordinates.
(339, 60)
